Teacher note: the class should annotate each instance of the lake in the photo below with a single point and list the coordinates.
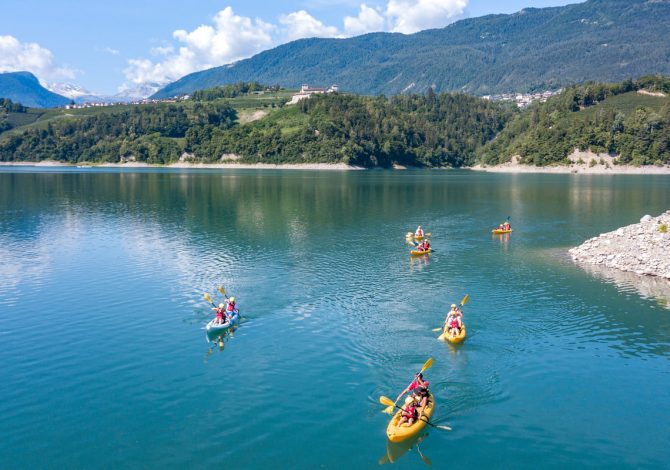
(106, 363)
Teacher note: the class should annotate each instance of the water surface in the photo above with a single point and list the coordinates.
(105, 362)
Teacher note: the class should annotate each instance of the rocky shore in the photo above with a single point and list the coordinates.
(642, 248)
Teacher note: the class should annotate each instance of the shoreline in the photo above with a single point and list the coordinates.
(582, 162)
(194, 166)
(510, 167)
(574, 169)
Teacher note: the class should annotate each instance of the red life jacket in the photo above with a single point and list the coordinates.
(409, 412)
(231, 306)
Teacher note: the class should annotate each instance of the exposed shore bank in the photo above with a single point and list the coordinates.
(581, 162)
(642, 248)
(217, 166)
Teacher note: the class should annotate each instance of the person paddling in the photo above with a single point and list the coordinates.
(419, 232)
(416, 383)
(420, 397)
(231, 307)
(453, 320)
(409, 412)
(220, 314)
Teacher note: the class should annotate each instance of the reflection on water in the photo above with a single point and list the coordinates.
(649, 287)
(396, 450)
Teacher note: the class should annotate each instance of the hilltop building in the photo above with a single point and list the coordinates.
(306, 91)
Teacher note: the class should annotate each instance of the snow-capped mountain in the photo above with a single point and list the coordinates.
(69, 90)
(139, 92)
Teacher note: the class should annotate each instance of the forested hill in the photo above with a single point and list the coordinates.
(629, 119)
(601, 40)
(421, 130)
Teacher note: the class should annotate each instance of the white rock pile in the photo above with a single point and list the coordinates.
(642, 248)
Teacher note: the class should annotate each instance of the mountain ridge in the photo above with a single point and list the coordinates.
(25, 88)
(535, 48)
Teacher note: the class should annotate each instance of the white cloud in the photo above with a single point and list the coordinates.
(16, 56)
(410, 16)
(367, 21)
(111, 50)
(301, 24)
(229, 38)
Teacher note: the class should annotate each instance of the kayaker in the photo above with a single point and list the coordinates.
(230, 308)
(419, 232)
(416, 383)
(409, 413)
(453, 320)
(220, 314)
(426, 245)
(507, 226)
(420, 397)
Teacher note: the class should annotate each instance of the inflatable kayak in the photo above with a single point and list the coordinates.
(211, 326)
(497, 231)
(400, 433)
(445, 336)
(419, 252)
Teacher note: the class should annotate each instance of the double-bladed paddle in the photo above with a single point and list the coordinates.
(387, 401)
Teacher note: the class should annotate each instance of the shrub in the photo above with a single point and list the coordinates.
(663, 228)
(592, 163)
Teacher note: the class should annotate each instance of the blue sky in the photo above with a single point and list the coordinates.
(108, 46)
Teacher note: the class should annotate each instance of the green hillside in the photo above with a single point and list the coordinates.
(600, 40)
(621, 119)
(430, 130)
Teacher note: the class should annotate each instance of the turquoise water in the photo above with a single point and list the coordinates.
(105, 362)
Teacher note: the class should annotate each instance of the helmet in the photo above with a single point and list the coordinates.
(221, 305)
(453, 305)
(409, 400)
(232, 299)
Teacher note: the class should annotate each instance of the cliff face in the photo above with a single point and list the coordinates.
(642, 248)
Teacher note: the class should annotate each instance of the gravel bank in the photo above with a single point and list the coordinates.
(640, 248)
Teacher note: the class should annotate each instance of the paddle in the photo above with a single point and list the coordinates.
(425, 235)
(463, 302)
(209, 299)
(388, 410)
(415, 244)
(387, 401)
(223, 293)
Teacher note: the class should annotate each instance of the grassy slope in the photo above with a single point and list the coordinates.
(627, 103)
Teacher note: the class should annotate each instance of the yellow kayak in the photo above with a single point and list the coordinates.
(419, 252)
(397, 433)
(497, 231)
(445, 336)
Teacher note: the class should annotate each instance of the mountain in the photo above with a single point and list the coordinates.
(69, 90)
(138, 93)
(81, 95)
(606, 40)
(24, 88)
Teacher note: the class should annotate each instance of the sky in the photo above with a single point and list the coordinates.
(107, 47)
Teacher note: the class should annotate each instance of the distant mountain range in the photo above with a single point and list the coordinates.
(81, 95)
(25, 88)
(606, 40)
